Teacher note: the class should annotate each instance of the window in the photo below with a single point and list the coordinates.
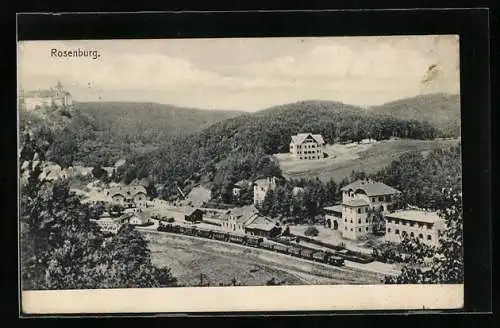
(351, 229)
(366, 228)
(397, 232)
(412, 235)
(351, 221)
(359, 230)
(388, 198)
(389, 220)
(421, 236)
(389, 230)
(345, 228)
(412, 224)
(366, 209)
(359, 211)
(359, 221)
(404, 233)
(429, 237)
(366, 220)
(381, 198)
(373, 199)
(404, 223)
(345, 220)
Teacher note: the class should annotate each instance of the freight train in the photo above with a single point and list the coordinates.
(257, 242)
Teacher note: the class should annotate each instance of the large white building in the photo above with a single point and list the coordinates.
(424, 225)
(55, 96)
(307, 146)
(358, 198)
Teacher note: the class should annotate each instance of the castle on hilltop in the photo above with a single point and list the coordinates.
(55, 96)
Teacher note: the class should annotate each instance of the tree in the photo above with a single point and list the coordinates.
(62, 249)
(442, 264)
(99, 173)
(311, 231)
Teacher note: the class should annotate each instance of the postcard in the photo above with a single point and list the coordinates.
(240, 174)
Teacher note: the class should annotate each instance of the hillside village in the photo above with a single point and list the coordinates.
(349, 223)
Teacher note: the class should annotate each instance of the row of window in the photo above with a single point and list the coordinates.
(359, 221)
(410, 223)
(309, 152)
(404, 233)
(359, 229)
(309, 157)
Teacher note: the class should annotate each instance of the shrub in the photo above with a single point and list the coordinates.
(311, 231)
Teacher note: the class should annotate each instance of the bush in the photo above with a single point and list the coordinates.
(311, 231)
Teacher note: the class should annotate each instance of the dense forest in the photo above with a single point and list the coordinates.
(241, 148)
(101, 133)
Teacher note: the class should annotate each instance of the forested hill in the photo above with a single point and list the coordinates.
(149, 121)
(236, 148)
(440, 109)
(100, 133)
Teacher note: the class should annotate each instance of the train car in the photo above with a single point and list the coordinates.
(223, 236)
(253, 241)
(281, 249)
(267, 245)
(307, 253)
(205, 233)
(164, 227)
(236, 239)
(176, 228)
(335, 260)
(319, 256)
(295, 251)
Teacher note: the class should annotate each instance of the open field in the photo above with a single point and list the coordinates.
(221, 262)
(343, 159)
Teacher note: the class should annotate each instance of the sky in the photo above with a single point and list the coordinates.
(246, 74)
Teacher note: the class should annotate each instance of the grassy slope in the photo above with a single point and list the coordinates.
(189, 257)
(370, 161)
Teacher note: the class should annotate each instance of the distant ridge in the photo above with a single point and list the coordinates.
(442, 110)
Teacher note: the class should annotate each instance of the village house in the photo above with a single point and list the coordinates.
(424, 225)
(261, 187)
(193, 215)
(262, 227)
(307, 146)
(351, 217)
(128, 196)
(138, 218)
(55, 96)
(236, 219)
(109, 225)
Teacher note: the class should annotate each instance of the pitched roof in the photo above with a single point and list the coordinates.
(191, 211)
(134, 190)
(371, 188)
(416, 215)
(241, 183)
(44, 93)
(355, 202)
(299, 138)
(335, 208)
(261, 226)
(244, 214)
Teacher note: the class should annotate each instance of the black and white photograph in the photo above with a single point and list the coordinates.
(225, 163)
